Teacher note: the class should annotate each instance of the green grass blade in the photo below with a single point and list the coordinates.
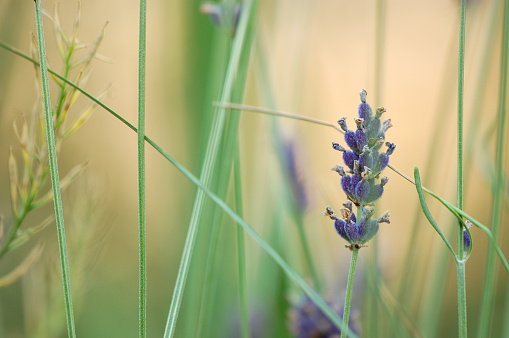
(142, 307)
(460, 266)
(241, 248)
(52, 155)
(207, 169)
(499, 191)
(427, 213)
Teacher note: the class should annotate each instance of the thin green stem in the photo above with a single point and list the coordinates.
(349, 289)
(307, 253)
(52, 155)
(217, 129)
(460, 267)
(498, 187)
(142, 306)
(241, 247)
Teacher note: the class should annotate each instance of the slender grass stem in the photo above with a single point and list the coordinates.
(217, 129)
(142, 306)
(498, 188)
(241, 248)
(460, 265)
(349, 289)
(53, 164)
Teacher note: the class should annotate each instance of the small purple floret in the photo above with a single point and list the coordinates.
(365, 112)
(350, 157)
(466, 241)
(390, 148)
(366, 160)
(383, 161)
(361, 139)
(339, 224)
(346, 184)
(351, 140)
(352, 232)
(362, 190)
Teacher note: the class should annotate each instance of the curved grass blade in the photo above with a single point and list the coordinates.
(488, 297)
(52, 155)
(427, 213)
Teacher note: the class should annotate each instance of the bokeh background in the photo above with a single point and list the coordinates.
(313, 57)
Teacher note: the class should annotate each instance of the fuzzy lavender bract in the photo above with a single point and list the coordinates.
(361, 179)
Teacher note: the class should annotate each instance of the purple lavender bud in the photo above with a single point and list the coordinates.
(390, 148)
(351, 141)
(352, 232)
(342, 124)
(366, 160)
(346, 184)
(348, 205)
(365, 112)
(383, 161)
(356, 178)
(384, 180)
(363, 225)
(361, 138)
(466, 241)
(349, 157)
(339, 224)
(362, 190)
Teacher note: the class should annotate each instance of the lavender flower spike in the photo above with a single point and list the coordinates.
(363, 184)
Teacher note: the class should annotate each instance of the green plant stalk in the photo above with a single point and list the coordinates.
(349, 289)
(207, 169)
(241, 247)
(142, 306)
(460, 264)
(307, 252)
(52, 155)
(229, 155)
(499, 191)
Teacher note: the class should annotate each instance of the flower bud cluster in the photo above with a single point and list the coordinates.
(367, 156)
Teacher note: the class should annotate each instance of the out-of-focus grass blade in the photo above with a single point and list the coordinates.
(21, 269)
(217, 129)
(52, 155)
(427, 213)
